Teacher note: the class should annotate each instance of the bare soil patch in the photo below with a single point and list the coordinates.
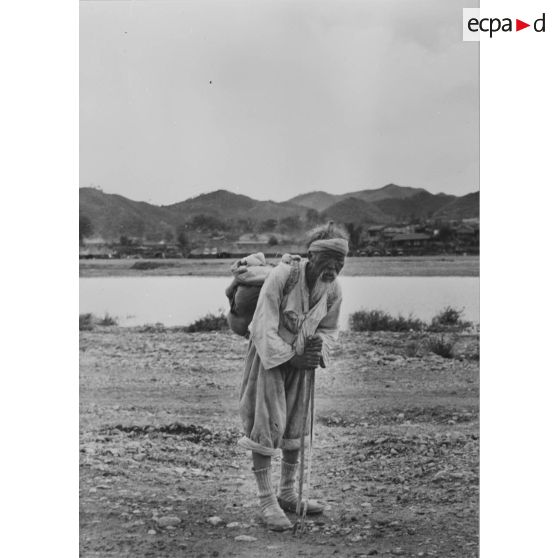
(395, 457)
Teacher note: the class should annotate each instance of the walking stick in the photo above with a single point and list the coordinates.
(308, 401)
(304, 419)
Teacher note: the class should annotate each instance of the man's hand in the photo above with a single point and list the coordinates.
(311, 358)
(305, 361)
(314, 343)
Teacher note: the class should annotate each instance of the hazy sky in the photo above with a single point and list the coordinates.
(304, 95)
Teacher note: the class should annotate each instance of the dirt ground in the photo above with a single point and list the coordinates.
(424, 266)
(395, 460)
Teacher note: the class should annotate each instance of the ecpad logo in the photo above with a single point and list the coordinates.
(474, 25)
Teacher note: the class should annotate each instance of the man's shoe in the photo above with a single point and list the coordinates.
(312, 507)
(270, 513)
(287, 495)
(275, 519)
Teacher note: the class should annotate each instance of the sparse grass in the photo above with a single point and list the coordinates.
(414, 348)
(210, 322)
(474, 353)
(449, 319)
(86, 322)
(377, 320)
(157, 327)
(108, 320)
(441, 346)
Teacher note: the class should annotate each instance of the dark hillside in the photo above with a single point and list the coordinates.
(113, 215)
(316, 200)
(419, 206)
(465, 207)
(353, 210)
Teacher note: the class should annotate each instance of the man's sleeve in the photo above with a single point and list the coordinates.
(272, 349)
(328, 329)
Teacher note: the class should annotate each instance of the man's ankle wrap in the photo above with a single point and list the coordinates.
(263, 480)
(288, 474)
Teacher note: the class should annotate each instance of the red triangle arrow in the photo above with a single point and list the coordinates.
(519, 25)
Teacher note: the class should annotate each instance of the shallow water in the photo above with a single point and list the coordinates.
(176, 301)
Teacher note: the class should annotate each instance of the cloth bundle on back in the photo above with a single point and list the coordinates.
(243, 292)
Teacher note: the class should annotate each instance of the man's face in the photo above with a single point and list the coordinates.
(327, 265)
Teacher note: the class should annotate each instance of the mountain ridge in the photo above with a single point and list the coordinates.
(114, 215)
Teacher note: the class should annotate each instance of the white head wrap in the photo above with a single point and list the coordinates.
(339, 245)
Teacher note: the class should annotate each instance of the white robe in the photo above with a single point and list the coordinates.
(271, 405)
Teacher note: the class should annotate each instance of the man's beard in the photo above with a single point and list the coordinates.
(319, 289)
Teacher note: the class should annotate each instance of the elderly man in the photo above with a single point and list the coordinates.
(294, 325)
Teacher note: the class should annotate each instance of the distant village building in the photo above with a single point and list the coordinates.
(390, 232)
(411, 240)
(160, 249)
(473, 221)
(468, 237)
(466, 232)
(382, 239)
(253, 239)
(241, 249)
(428, 237)
(96, 248)
(376, 233)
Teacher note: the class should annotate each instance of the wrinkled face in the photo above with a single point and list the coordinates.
(326, 265)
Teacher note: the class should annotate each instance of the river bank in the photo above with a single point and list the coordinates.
(404, 266)
(395, 456)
